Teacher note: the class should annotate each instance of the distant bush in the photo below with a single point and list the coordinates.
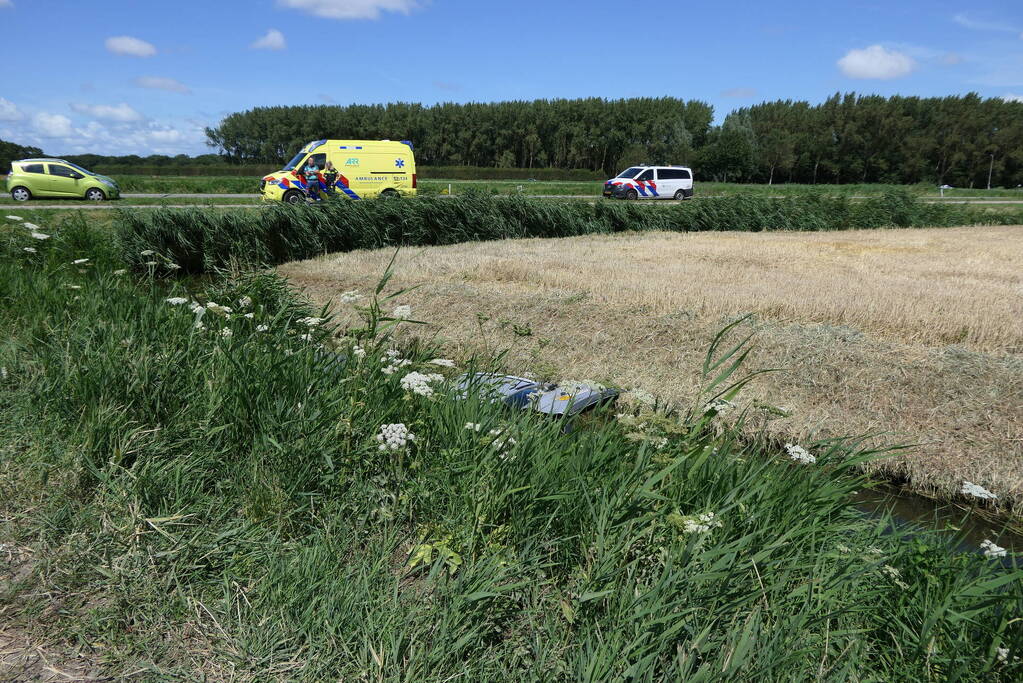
(203, 239)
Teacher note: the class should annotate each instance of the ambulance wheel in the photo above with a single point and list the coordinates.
(389, 193)
(294, 197)
(632, 195)
(680, 195)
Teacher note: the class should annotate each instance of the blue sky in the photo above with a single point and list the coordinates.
(143, 76)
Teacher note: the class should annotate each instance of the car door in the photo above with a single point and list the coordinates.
(647, 184)
(63, 180)
(35, 178)
(667, 182)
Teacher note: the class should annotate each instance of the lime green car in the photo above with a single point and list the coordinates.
(30, 178)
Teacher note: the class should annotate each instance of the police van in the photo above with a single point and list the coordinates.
(651, 182)
(352, 169)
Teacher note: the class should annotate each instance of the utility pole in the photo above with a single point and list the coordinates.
(990, 168)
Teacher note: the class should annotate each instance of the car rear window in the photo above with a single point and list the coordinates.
(32, 168)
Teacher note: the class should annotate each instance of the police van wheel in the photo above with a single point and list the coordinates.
(293, 197)
(632, 195)
(680, 195)
(21, 194)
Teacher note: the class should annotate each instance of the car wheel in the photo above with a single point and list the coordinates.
(680, 195)
(632, 195)
(21, 194)
(94, 194)
(294, 197)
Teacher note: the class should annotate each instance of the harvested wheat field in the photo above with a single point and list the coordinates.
(916, 335)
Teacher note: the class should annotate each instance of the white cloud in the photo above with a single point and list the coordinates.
(126, 45)
(6, 3)
(1012, 97)
(350, 9)
(9, 111)
(976, 25)
(876, 62)
(160, 83)
(119, 112)
(52, 125)
(273, 40)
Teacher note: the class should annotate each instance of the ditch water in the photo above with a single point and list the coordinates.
(909, 510)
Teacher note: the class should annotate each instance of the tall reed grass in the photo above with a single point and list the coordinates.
(207, 497)
(201, 240)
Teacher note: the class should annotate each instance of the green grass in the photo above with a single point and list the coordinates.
(202, 240)
(202, 505)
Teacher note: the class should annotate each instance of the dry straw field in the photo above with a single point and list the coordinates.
(913, 334)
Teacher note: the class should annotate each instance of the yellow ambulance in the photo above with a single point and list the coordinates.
(357, 169)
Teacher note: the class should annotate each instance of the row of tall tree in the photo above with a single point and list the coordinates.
(959, 140)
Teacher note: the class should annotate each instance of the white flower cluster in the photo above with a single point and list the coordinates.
(350, 297)
(977, 491)
(39, 235)
(30, 250)
(177, 300)
(310, 322)
(643, 398)
(226, 332)
(800, 454)
(1002, 654)
(473, 426)
(442, 363)
(402, 312)
(501, 442)
(358, 352)
(701, 523)
(223, 311)
(419, 383)
(79, 261)
(262, 328)
(14, 218)
(244, 302)
(393, 362)
(394, 437)
(895, 575)
(719, 406)
(992, 550)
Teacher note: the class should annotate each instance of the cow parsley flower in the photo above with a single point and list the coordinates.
(30, 250)
(394, 437)
(310, 322)
(971, 489)
(226, 332)
(392, 362)
(173, 266)
(14, 218)
(177, 300)
(79, 261)
(800, 454)
(147, 252)
(719, 406)
(151, 263)
(643, 398)
(895, 575)
(701, 523)
(249, 316)
(121, 271)
(992, 550)
(214, 307)
(31, 226)
(402, 312)
(262, 328)
(244, 302)
(419, 383)
(473, 426)
(39, 235)
(501, 441)
(350, 297)
(443, 362)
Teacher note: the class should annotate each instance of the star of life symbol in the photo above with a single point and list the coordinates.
(400, 163)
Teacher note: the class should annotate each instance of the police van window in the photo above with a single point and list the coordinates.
(667, 174)
(32, 168)
(629, 172)
(62, 171)
(649, 175)
(684, 175)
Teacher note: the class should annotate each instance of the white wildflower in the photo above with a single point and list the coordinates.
(30, 250)
(701, 523)
(151, 263)
(842, 548)
(74, 286)
(501, 441)
(800, 454)
(661, 443)
(419, 383)
(394, 437)
(992, 550)
(643, 398)
(177, 300)
(250, 316)
(39, 236)
(147, 252)
(443, 362)
(214, 307)
(306, 337)
(121, 271)
(31, 226)
(262, 328)
(971, 489)
(3, 373)
(719, 406)
(244, 302)
(358, 352)
(310, 322)
(350, 297)
(14, 218)
(173, 266)
(226, 332)
(199, 326)
(79, 261)
(473, 426)
(402, 312)
(392, 362)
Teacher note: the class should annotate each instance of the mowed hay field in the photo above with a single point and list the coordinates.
(915, 336)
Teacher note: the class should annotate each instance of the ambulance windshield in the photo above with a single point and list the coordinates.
(294, 161)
